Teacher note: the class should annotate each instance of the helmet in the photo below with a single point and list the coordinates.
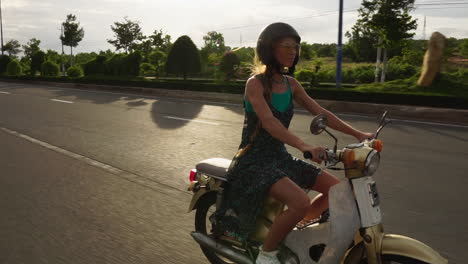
(269, 35)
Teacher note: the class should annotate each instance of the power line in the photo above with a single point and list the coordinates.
(288, 20)
(438, 4)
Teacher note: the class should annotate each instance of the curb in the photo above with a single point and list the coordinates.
(417, 113)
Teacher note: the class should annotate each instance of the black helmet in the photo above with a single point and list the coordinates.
(269, 35)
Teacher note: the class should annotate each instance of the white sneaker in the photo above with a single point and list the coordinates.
(267, 257)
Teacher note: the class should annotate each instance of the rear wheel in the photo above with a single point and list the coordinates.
(205, 208)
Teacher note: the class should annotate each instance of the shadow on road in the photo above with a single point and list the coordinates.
(173, 115)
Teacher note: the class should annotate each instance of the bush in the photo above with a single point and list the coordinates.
(304, 75)
(37, 60)
(75, 71)
(114, 65)
(147, 69)
(363, 74)
(229, 64)
(14, 68)
(124, 65)
(131, 64)
(96, 66)
(4, 61)
(399, 71)
(49, 68)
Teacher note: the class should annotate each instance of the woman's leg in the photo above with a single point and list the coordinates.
(287, 192)
(320, 203)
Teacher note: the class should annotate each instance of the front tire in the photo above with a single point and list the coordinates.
(394, 259)
(205, 207)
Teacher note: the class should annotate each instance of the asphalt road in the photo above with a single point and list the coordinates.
(99, 177)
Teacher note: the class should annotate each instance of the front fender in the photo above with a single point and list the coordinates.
(397, 245)
(408, 247)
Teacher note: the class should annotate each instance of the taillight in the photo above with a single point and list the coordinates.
(377, 145)
(193, 174)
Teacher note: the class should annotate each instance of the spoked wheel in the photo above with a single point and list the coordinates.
(206, 207)
(397, 259)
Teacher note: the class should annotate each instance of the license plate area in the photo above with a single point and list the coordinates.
(374, 194)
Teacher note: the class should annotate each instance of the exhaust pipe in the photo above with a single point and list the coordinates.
(224, 250)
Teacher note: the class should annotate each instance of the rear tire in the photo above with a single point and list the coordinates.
(205, 207)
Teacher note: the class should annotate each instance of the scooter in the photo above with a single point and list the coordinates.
(352, 234)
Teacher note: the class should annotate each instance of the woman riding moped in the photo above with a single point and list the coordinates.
(262, 165)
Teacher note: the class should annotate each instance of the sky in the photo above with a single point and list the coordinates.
(240, 21)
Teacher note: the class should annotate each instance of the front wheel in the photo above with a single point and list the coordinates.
(394, 259)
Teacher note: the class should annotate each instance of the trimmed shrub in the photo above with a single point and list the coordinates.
(114, 64)
(75, 71)
(147, 69)
(96, 66)
(4, 61)
(37, 60)
(183, 58)
(131, 64)
(304, 75)
(229, 64)
(49, 68)
(14, 68)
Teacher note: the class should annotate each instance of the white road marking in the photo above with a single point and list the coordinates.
(132, 177)
(61, 101)
(87, 160)
(191, 120)
(4, 92)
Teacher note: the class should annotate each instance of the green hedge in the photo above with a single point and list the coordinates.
(14, 68)
(396, 92)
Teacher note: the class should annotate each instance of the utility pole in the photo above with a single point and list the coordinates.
(339, 55)
(424, 29)
(61, 61)
(1, 24)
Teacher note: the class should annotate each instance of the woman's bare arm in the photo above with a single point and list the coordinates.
(303, 99)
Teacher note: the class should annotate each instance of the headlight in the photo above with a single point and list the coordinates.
(372, 163)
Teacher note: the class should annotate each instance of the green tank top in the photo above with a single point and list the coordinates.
(280, 101)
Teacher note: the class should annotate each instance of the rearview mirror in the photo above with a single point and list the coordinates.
(318, 125)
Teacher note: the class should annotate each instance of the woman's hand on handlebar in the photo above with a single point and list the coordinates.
(318, 153)
(363, 136)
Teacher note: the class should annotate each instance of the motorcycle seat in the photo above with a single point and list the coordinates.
(216, 167)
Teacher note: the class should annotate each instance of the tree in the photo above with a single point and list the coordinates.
(229, 64)
(72, 33)
(12, 47)
(464, 48)
(307, 52)
(183, 58)
(31, 47)
(390, 21)
(127, 35)
(160, 42)
(361, 44)
(214, 44)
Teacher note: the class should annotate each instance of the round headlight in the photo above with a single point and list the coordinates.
(372, 163)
